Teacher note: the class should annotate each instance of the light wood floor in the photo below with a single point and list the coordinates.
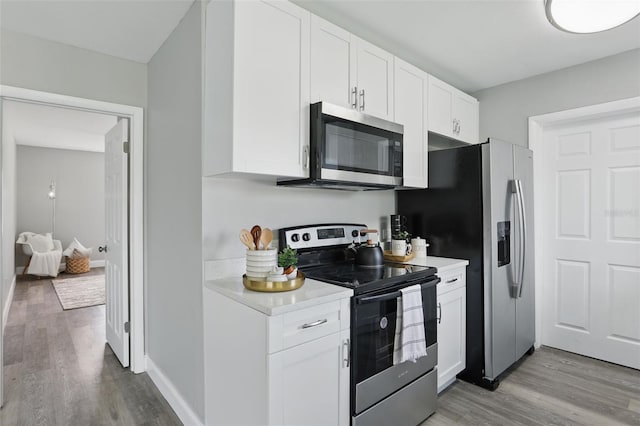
(58, 369)
(551, 387)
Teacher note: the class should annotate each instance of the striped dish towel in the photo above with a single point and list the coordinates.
(410, 342)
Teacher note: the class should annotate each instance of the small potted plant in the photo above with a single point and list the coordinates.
(288, 259)
(399, 246)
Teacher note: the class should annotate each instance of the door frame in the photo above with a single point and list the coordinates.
(537, 125)
(135, 199)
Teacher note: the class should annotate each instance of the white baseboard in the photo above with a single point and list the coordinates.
(171, 394)
(63, 266)
(7, 304)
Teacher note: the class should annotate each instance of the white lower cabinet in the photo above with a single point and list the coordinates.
(452, 310)
(287, 369)
(306, 384)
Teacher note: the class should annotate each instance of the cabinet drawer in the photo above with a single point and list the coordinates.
(452, 280)
(295, 328)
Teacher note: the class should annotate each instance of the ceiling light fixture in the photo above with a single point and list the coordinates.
(590, 16)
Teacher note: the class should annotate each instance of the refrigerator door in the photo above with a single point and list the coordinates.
(500, 304)
(525, 306)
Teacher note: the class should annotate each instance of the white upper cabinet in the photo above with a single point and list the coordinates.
(410, 97)
(375, 80)
(452, 113)
(332, 56)
(256, 88)
(348, 71)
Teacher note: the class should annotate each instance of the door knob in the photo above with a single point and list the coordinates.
(102, 249)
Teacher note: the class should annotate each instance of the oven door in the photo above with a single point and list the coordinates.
(353, 147)
(373, 325)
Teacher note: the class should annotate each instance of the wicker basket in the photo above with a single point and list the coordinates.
(76, 264)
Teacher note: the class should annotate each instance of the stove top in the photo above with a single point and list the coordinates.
(324, 255)
(364, 280)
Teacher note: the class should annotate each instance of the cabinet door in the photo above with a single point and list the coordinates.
(440, 107)
(410, 87)
(465, 110)
(271, 87)
(332, 64)
(451, 336)
(375, 80)
(307, 382)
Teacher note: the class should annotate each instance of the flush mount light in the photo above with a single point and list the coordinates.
(590, 16)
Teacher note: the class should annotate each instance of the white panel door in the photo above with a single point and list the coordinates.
(116, 244)
(375, 80)
(333, 77)
(410, 98)
(451, 335)
(591, 283)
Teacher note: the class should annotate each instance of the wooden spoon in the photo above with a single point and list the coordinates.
(256, 232)
(247, 239)
(266, 238)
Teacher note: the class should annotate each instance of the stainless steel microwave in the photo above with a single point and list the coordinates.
(351, 150)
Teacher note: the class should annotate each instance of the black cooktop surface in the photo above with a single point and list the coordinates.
(364, 280)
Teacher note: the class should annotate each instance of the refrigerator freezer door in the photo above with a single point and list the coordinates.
(525, 306)
(500, 305)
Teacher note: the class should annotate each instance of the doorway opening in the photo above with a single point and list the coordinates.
(125, 214)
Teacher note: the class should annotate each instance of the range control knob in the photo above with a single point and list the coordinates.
(306, 236)
(355, 233)
(295, 238)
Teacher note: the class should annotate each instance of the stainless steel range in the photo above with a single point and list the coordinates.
(381, 393)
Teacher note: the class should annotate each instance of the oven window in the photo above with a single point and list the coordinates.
(374, 330)
(357, 148)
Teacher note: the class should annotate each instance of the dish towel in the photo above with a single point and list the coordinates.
(410, 341)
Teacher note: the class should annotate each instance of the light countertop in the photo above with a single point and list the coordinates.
(310, 294)
(442, 264)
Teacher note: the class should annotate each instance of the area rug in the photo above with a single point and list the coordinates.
(80, 292)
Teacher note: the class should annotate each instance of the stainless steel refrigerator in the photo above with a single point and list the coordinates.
(479, 206)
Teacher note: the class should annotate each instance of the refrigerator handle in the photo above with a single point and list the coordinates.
(523, 232)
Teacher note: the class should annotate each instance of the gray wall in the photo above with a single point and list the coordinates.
(228, 205)
(35, 63)
(174, 199)
(79, 177)
(505, 109)
(8, 163)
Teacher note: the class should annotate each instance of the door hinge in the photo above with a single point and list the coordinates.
(126, 327)
(125, 147)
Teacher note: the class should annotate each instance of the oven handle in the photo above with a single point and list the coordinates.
(394, 294)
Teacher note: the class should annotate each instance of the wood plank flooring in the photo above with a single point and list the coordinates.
(551, 387)
(58, 370)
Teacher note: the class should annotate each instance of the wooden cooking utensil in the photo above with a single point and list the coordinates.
(247, 239)
(266, 238)
(256, 232)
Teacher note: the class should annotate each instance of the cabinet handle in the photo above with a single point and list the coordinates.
(454, 126)
(346, 359)
(439, 312)
(354, 92)
(453, 280)
(305, 157)
(314, 324)
(459, 127)
(362, 100)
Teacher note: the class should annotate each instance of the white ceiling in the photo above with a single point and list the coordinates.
(129, 29)
(56, 127)
(472, 44)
